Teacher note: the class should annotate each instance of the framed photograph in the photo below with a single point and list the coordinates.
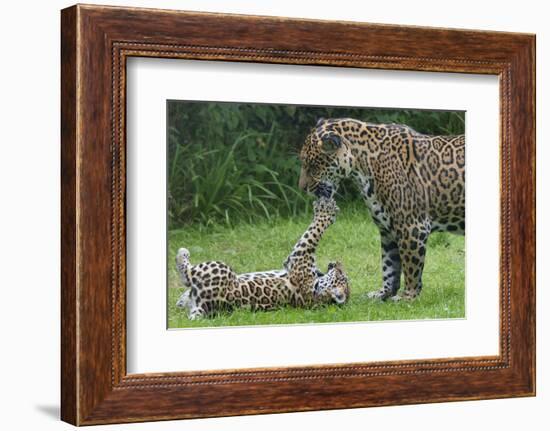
(264, 215)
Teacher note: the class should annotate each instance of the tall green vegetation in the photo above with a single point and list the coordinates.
(233, 162)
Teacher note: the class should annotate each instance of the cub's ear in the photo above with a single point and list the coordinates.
(320, 121)
(336, 265)
(331, 142)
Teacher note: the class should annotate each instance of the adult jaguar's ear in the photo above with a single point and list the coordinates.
(320, 121)
(331, 142)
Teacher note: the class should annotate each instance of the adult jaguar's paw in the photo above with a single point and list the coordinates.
(381, 295)
(404, 297)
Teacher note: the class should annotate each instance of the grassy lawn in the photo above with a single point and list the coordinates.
(353, 239)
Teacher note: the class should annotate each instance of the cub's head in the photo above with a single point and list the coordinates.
(326, 158)
(333, 287)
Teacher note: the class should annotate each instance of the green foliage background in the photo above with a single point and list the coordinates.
(238, 162)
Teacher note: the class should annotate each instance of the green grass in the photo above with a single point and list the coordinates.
(353, 239)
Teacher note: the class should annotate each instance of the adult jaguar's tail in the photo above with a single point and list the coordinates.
(183, 266)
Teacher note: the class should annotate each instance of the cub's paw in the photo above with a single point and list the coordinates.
(196, 314)
(184, 300)
(325, 207)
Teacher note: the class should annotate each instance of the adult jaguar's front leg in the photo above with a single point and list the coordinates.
(412, 250)
(391, 268)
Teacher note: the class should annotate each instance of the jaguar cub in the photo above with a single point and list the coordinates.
(214, 286)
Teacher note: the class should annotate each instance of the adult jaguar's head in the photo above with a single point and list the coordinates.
(326, 158)
(333, 287)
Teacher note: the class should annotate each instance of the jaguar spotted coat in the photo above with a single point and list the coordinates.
(413, 184)
(214, 286)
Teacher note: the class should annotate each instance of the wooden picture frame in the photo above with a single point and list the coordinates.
(96, 41)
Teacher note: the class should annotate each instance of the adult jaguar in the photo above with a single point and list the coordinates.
(413, 184)
(214, 286)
